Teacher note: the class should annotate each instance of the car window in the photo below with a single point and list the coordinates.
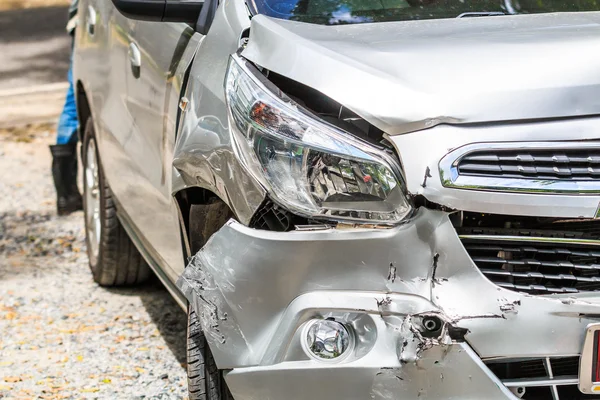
(334, 12)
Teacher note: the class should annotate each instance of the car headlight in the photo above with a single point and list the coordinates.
(308, 166)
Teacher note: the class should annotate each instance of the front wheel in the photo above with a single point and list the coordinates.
(205, 381)
(113, 258)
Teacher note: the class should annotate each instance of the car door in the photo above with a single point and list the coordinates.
(156, 54)
(100, 63)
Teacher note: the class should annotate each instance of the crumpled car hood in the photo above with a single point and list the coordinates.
(406, 76)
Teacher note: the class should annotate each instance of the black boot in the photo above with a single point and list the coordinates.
(64, 172)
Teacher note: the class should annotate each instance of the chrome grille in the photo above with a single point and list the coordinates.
(540, 378)
(537, 265)
(547, 164)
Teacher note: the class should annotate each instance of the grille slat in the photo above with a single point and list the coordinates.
(537, 263)
(539, 275)
(540, 289)
(569, 164)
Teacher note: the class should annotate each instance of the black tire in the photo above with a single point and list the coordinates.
(118, 262)
(205, 381)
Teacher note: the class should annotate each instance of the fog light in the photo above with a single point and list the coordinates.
(327, 340)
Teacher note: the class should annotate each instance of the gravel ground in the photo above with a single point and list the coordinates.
(61, 335)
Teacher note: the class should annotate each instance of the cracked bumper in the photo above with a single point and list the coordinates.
(254, 290)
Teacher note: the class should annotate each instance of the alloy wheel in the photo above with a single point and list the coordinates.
(92, 201)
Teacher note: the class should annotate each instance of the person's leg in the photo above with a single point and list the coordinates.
(67, 123)
(64, 156)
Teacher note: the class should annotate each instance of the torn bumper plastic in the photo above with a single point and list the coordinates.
(255, 290)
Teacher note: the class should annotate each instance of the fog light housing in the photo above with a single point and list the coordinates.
(327, 340)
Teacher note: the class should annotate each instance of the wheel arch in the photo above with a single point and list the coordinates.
(201, 211)
(84, 109)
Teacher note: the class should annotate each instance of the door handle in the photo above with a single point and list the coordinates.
(90, 22)
(135, 59)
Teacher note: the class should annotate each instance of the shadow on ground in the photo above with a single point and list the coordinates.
(29, 233)
(169, 318)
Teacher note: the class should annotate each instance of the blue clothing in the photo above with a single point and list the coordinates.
(66, 131)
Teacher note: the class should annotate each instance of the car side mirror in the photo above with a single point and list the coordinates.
(187, 11)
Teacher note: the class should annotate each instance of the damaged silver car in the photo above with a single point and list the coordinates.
(353, 199)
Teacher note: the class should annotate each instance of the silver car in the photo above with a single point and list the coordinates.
(353, 199)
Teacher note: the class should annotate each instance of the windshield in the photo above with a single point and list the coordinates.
(335, 12)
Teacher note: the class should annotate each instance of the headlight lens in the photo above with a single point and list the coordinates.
(309, 166)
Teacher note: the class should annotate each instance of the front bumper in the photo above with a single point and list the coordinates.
(254, 290)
